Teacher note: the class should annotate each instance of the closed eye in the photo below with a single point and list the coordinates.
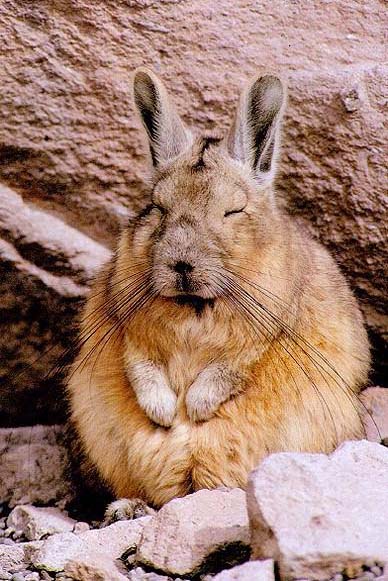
(230, 212)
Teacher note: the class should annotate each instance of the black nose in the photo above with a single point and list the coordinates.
(182, 267)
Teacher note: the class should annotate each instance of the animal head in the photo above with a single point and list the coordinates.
(212, 199)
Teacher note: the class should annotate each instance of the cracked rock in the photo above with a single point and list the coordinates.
(318, 515)
(187, 534)
(110, 542)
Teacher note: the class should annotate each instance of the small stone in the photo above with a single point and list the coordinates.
(338, 577)
(4, 576)
(186, 531)
(35, 523)
(81, 527)
(6, 541)
(33, 576)
(17, 577)
(258, 570)
(45, 576)
(138, 574)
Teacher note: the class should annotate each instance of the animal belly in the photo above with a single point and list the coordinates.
(166, 463)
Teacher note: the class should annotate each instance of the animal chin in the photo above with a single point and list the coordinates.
(194, 301)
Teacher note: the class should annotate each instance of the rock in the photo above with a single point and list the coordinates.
(33, 464)
(46, 266)
(12, 558)
(72, 148)
(375, 400)
(93, 566)
(195, 533)
(35, 523)
(110, 542)
(318, 515)
(253, 570)
(138, 574)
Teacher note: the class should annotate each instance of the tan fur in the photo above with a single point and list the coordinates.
(293, 392)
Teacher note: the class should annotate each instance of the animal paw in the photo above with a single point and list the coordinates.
(201, 404)
(126, 509)
(159, 405)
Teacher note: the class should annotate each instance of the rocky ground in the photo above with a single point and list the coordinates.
(303, 516)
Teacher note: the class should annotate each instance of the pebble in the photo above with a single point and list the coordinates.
(17, 577)
(6, 541)
(4, 576)
(81, 527)
(45, 576)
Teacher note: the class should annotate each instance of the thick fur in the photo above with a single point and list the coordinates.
(192, 391)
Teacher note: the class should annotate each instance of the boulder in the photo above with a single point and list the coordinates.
(34, 522)
(207, 530)
(71, 146)
(319, 515)
(33, 466)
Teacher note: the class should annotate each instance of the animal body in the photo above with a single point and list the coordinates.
(220, 331)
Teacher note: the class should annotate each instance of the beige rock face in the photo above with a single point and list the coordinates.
(317, 515)
(70, 144)
(253, 570)
(199, 525)
(33, 466)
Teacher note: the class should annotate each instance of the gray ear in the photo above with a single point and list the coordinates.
(168, 137)
(254, 138)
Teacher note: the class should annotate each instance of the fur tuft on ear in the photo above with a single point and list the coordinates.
(254, 137)
(168, 137)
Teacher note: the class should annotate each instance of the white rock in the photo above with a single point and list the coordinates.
(35, 522)
(179, 538)
(111, 542)
(317, 514)
(137, 574)
(252, 570)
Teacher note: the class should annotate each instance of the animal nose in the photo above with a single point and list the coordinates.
(182, 267)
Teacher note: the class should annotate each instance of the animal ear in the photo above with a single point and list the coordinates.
(254, 137)
(168, 137)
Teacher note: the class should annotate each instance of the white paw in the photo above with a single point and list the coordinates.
(126, 509)
(153, 392)
(201, 403)
(159, 404)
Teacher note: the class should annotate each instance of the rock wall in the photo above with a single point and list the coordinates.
(72, 157)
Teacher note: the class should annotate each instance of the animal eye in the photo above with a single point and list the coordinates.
(158, 207)
(230, 212)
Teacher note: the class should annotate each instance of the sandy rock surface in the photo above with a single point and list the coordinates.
(33, 464)
(189, 531)
(318, 515)
(72, 157)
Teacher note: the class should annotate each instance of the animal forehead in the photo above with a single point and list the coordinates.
(212, 186)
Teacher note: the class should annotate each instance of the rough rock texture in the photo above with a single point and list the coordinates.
(375, 400)
(110, 542)
(70, 144)
(33, 464)
(318, 515)
(34, 523)
(45, 265)
(93, 567)
(253, 570)
(202, 525)
(12, 558)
